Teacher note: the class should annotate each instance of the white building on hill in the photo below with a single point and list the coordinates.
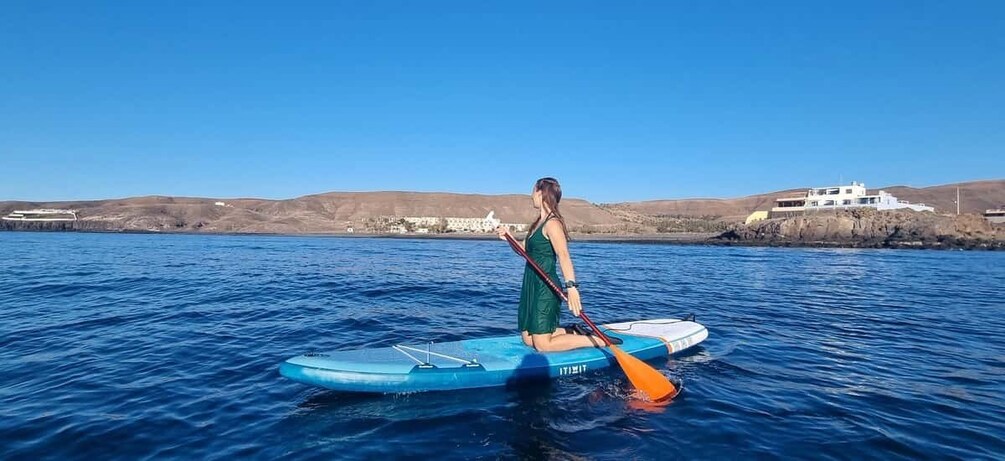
(839, 197)
(996, 216)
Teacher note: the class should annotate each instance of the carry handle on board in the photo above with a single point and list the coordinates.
(644, 377)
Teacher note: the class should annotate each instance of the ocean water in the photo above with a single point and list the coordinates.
(167, 346)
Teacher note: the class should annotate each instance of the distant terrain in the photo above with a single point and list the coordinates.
(975, 197)
(367, 212)
(323, 213)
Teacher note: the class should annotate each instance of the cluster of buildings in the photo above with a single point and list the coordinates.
(426, 224)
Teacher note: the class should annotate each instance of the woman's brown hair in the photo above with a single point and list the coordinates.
(551, 194)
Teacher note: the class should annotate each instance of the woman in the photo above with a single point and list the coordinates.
(539, 305)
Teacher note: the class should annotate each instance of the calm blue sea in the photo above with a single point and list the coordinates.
(166, 346)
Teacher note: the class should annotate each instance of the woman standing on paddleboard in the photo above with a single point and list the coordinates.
(546, 242)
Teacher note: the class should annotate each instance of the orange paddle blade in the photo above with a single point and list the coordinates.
(644, 377)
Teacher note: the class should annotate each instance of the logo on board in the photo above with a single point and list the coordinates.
(572, 370)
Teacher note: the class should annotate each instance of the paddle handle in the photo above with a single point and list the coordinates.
(551, 284)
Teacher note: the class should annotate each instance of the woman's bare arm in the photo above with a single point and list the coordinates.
(553, 230)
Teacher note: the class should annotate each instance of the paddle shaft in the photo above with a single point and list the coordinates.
(551, 284)
(643, 376)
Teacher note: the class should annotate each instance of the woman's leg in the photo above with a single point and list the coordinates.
(549, 343)
(526, 338)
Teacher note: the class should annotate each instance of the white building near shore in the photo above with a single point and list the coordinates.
(458, 224)
(42, 215)
(840, 197)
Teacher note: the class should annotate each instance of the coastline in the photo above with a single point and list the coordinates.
(674, 222)
(680, 238)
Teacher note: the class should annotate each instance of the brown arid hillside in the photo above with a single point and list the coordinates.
(322, 213)
(730, 209)
(975, 197)
(509, 208)
(336, 211)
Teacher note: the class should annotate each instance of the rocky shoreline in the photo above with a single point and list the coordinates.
(685, 221)
(869, 228)
(855, 228)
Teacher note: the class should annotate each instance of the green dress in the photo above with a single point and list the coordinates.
(539, 305)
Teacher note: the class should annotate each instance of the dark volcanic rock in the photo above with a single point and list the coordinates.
(56, 226)
(866, 227)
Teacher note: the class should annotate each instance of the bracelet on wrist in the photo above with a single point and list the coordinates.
(571, 284)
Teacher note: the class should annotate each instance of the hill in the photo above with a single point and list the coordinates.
(334, 212)
(322, 213)
(975, 197)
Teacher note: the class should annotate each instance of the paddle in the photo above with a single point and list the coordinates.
(642, 376)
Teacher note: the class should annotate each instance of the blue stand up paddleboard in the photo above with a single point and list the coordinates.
(485, 362)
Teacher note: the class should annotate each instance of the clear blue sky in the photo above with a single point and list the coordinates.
(619, 100)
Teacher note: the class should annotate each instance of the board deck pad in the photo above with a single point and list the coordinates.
(484, 362)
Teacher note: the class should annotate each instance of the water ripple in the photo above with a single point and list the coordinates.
(166, 346)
